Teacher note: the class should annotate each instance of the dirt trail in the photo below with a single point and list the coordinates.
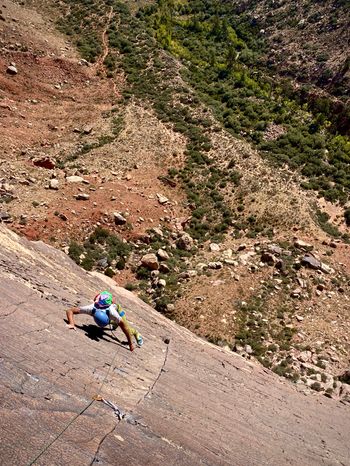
(99, 66)
(102, 57)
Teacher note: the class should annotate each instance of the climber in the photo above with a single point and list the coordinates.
(105, 312)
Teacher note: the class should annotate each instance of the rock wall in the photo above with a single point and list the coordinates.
(185, 401)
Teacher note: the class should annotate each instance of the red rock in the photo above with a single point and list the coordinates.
(45, 162)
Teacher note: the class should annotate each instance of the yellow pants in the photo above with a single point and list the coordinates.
(131, 329)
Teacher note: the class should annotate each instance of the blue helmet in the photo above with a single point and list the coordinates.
(101, 318)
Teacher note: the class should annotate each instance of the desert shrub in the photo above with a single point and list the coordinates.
(347, 217)
(142, 273)
(131, 286)
(74, 251)
(323, 221)
(109, 272)
(316, 386)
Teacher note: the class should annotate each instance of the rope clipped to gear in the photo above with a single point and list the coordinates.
(117, 411)
(96, 397)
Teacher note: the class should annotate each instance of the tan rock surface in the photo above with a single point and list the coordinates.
(188, 402)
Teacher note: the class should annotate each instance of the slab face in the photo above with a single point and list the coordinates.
(185, 402)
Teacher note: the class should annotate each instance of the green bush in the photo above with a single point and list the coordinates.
(74, 251)
(143, 273)
(131, 286)
(316, 386)
(347, 217)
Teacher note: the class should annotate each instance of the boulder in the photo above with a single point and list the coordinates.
(213, 247)
(164, 268)
(227, 254)
(230, 262)
(300, 244)
(268, 258)
(310, 261)
(103, 263)
(187, 274)
(162, 255)
(118, 218)
(296, 293)
(302, 283)
(215, 265)
(345, 393)
(5, 217)
(144, 238)
(158, 231)
(246, 257)
(11, 70)
(6, 187)
(82, 197)
(274, 249)
(162, 199)
(326, 268)
(45, 162)
(74, 179)
(185, 242)
(238, 349)
(54, 184)
(305, 356)
(150, 261)
(87, 129)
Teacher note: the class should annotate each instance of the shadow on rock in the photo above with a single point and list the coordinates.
(96, 333)
(93, 332)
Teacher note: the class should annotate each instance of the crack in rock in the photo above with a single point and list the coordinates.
(162, 369)
(16, 306)
(95, 458)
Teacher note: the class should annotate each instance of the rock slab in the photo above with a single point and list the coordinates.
(191, 403)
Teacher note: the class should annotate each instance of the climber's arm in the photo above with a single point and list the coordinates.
(70, 316)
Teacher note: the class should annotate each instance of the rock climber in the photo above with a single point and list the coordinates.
(105, 312)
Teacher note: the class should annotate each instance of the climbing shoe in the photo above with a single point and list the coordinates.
(139, 340)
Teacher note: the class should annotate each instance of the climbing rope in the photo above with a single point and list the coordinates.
(96, 397)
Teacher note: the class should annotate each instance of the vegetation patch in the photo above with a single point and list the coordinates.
(103, 250)
(220, 50)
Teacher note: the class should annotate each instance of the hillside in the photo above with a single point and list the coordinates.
(184, 401)
(152, 144)
(308, 40)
